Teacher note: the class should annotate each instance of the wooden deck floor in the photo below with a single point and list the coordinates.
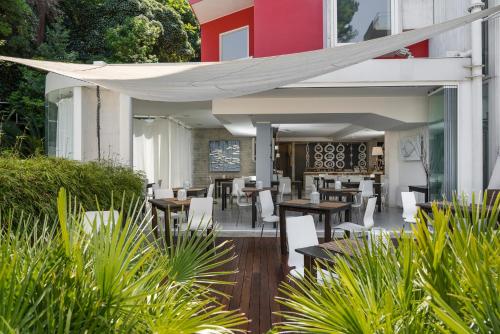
(260, 270)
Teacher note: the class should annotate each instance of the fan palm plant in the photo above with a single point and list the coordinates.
(61, 279)
(444, 281)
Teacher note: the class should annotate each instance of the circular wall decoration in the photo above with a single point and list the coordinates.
(340, 164)
(362, 156)
(362, 164)
(318, 148)
(318, 164)
(307, 155)
(340, 156)
(329, 148)
(318, 156)
(329, 156)
(329, 164)
(340, 148)
(362, 147)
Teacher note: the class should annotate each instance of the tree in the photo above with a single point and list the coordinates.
(346, 10)
(134, 40)
(16, 27)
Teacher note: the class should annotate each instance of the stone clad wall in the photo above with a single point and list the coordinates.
(200, 139)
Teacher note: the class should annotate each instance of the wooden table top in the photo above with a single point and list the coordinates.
(353, 191)
(346, 247)
(190, 189)
(253, 189)
(170, 202)
(323, 205)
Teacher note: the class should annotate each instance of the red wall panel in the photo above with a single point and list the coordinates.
(210, 32)
(287, 26)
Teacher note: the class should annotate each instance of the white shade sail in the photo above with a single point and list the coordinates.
(183, 82)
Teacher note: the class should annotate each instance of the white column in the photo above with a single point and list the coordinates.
(494, 86)
(264, 163)
(465, 145)
(125, 130)
(477, 99)
(77, 124)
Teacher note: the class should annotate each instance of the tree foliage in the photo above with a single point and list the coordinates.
(82, 31)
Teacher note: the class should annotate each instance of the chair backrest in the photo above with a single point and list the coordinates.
(285, 186)
(163, 193)
(370, 209)
(266, 203)
(300, 232)
(100, 217)
(366, 187)
(238, 183)
(200, 212)
(409, 204)
(210, 191)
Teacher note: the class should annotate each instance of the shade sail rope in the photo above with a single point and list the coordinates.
(186, 82)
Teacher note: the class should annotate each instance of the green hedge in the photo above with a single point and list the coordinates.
(31, 185)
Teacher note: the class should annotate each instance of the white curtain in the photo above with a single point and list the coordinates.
(64, 136)
(151, 149)
(180, 155)
(162, 150)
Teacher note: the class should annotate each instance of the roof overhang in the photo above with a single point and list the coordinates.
(209, 10)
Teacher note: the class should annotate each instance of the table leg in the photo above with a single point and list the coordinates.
(299, 191)
(224, 190)
(154, 222)
(309, 266)
(167, 227)
(328, 226)
(254, 208)
(347, 215)
(217, 190)
(283, 230)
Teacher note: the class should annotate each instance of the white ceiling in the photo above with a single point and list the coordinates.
(192, 114)
(309, 130)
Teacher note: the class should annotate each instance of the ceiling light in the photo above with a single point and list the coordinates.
(149, 120)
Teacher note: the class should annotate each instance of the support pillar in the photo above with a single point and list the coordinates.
(263, 161)
(125, 130)
(77, 124)
(493, 87)
(477, 98)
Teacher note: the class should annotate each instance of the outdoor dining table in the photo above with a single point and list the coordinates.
(326, 208)
(167, 205)
(254, 192)
(298, 186)
(217, 183)
(193, 191)
(324, 251)
(225, 186)
(420, 189)
(349, 193)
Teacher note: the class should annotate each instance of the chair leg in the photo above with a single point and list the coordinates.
(238, 219)
(262, 229)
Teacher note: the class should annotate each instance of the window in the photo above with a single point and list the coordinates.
(361, 20)
(234, 44)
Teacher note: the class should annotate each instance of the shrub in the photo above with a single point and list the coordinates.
(115, 279)
(446, 281)
(31, 185)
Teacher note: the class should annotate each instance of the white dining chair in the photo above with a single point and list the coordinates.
(210, 192)
(357, 205)
(238, 183)
(409, 207)
(100, 217)
(285, 187)
(300, 233)
(176, 217)
(368, 223)
(200, 214)
(267, 210)
(242, 201)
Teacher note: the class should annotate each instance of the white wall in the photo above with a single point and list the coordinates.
(112, 147)
(416, 14)
(401, 174)
(454, 40)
